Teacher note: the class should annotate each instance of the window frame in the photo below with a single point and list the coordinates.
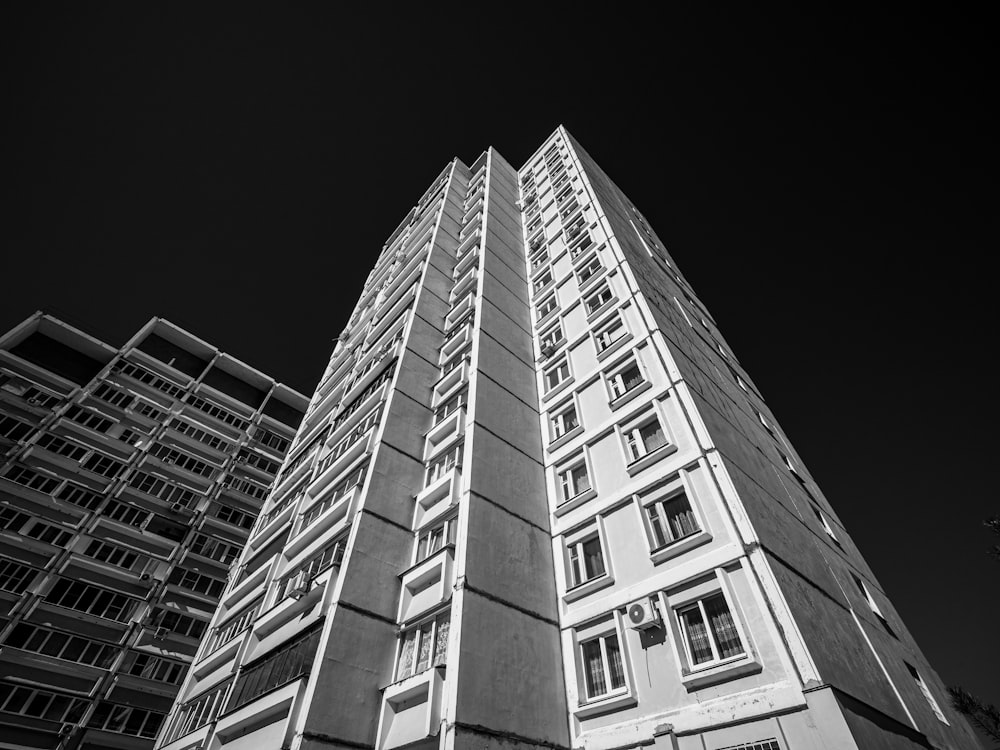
(614, 380)
(614, 698)
(576, 461)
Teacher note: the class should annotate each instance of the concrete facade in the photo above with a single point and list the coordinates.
(129, 478)
(536, 502)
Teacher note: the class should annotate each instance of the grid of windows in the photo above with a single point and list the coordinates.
(61, 645)
(423, 646)
(199, 711)
(12, 519)
(124, 513)
(271, 440)
(216, 549)
(15, 577)
(201, 435)
(62, 447)
(197, 582)
(77, 495)
(234, 516)
(103, 465)
(153, 668)
(113, 554)
(434, 538)
(89, 419)
(343, 488)
(49, 534)
(148, 377)
(257, 461)
(92, 599)
(41, 704)
(183, 460)
(166, 491)
(287, 663)
(214, 410)
(177, 623)
(246, 486)
(13, 429)
(32, 479)
(114, 396)
(113, 717)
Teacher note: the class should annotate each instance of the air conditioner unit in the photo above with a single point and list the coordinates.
(642, 614)
(145, 577)
(300, 586)
(160, 633)
(548, 349)
(177, 506)
(33, 401)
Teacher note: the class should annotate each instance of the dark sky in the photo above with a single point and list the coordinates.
(823, 181)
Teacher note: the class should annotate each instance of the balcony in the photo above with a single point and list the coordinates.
(437, 498)
(459, 310)
(411, 709)
(273, 521)
(261, 723)
(427, 584)
(444, 432)
(325, 524)
(455, 343)
(450, 382)
(465, 284)
(252, 584)
(285, 609)
(344, 454)
(465, 249)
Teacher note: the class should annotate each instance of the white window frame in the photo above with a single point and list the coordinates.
(591, 260)
(613, 698)
(564, 482)
(617, 393)
(556, 367)
(635, 443)
(543, 310)
(417, 628)
(616, 322)
(597, 293)
(717, 658)
(557, 420)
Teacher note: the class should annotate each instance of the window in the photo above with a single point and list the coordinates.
(608, 334)
(435, 538)
(546, 306)
(709, 632)
(127, 514)
(423, 646)
(557, 375)
(62, 447)
(15, 577)
(77, 495)
(551, 338)
(872, 604)
(603, 668)
(598, 299)
(589, 269)
(62, 645)
(671, 520)
(103, 465)
(198, 712)
(92, 600)
(112, 717)
(625, 379)
(450, 406)
(586, 560)
(12, 519)
(564, 421)
(574, 481)
(113, 396)
(13, 429)
(234, 516)
(215, 549)
(177, 623)
(182, 460)
(41, 704)
(288, 662)
(49, 534)
(112, 554)
(32, 479)
(644, 439)
(154, 668)
(443, 464)
(542, 281)
(196, 582)
(927, 692)
(826, 525)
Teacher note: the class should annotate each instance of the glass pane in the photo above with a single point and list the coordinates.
(656, 526)
(592, 558)
(652, 436)
(615, 666)
(54, 644)
(723, 628)
(697, 635)
(574, 564)
(680, 518)
(406, 655)
(581, 481)
(441, 644)
(593, 668)
(424, 660)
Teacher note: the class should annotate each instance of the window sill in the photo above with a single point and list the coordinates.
(614, 346)
(723, 672)
(679, 546)
(650, 458)
(565, 438)
(588, 587)
(617, 403)
(575, 502)
(605, 705)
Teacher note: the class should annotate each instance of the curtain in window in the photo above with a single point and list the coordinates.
(697, 635)
(615, 666)
(592, 558)
(593, 668)
(424, 660)
(653, 437)
(441, 641)
(631, 378)
(406, 655)
(723, 627)
(680, 517)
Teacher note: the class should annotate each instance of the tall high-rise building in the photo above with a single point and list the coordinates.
(536, 502)
(129, 480)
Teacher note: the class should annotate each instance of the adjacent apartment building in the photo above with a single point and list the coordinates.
(129, 480)
(536, 502)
